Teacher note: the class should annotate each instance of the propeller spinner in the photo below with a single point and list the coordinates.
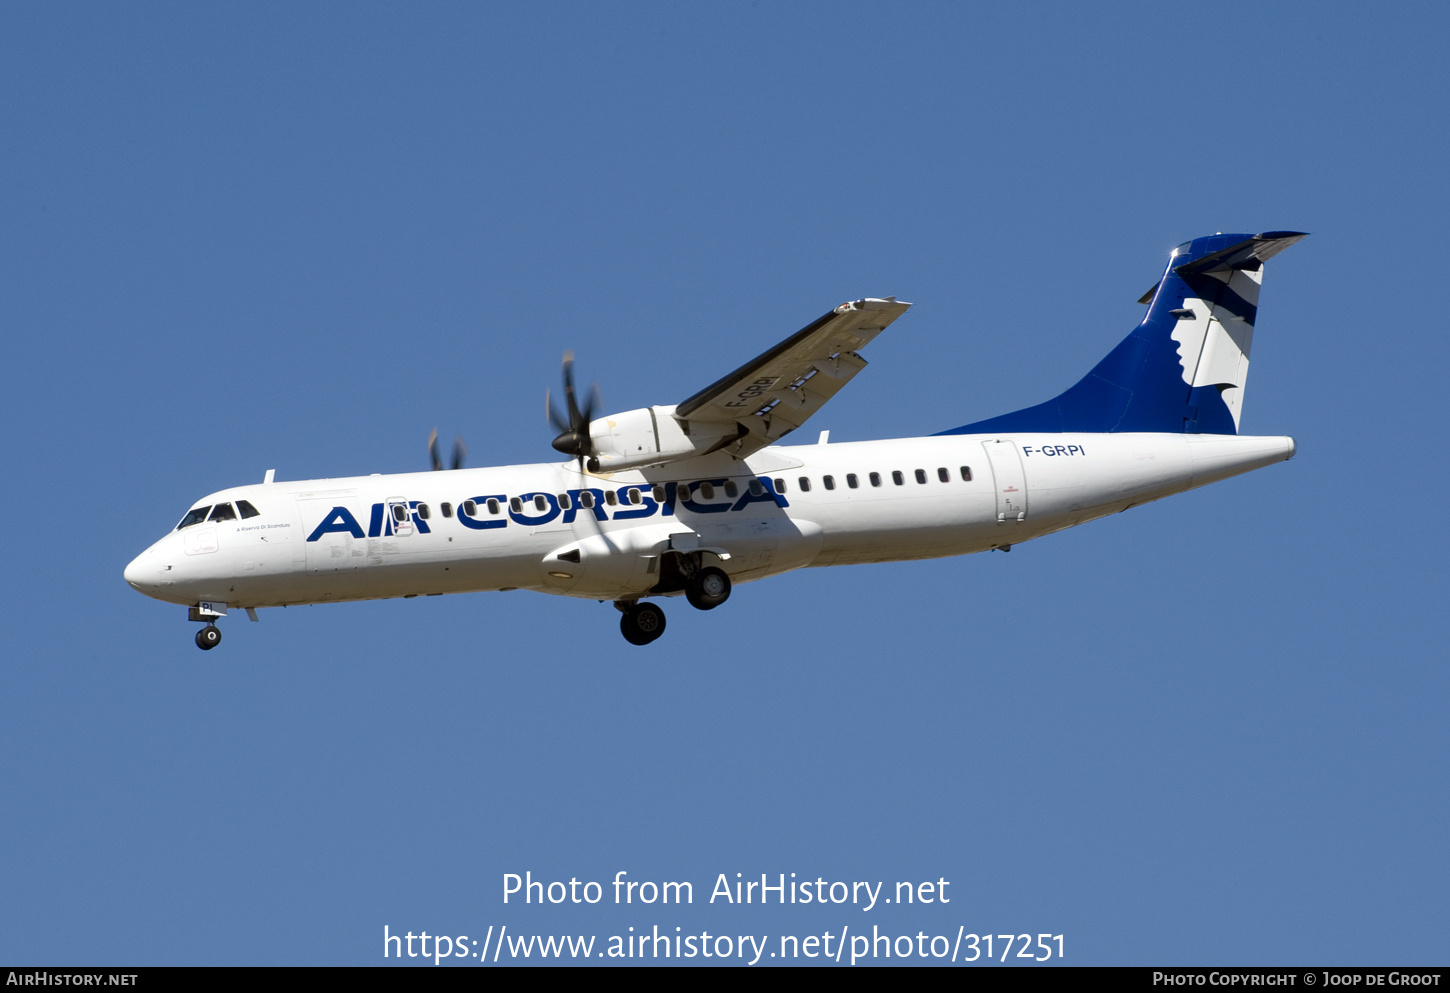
(573, 436)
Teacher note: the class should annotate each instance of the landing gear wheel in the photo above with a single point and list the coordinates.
(708, 588)
(642, 624)
(208, 637)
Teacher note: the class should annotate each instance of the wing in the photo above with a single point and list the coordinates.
(775, 392)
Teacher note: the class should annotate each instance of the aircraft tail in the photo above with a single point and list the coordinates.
(1184, 368)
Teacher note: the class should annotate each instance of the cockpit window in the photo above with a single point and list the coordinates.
(195, 516)
(223, 512)
(247, 510)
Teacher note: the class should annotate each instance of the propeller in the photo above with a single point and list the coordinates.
(573, 431)
(460, 452)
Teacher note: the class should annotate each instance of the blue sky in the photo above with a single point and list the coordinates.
(300, 237)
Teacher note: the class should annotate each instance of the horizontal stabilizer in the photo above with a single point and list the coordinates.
(1247, 255)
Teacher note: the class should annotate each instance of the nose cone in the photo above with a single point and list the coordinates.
(160, 572)
(133, 571)
(143, 574)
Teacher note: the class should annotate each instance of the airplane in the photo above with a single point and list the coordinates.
(690, 498)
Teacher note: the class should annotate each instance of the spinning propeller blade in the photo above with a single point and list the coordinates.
(573, 438)
(460, 452)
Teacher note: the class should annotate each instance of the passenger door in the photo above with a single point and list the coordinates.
(1011, 481)
(399, 517)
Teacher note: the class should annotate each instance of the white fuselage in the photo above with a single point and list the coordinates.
(325, 540)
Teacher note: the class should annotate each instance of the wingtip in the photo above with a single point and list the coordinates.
(872, 303)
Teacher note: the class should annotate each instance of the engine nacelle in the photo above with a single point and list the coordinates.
(651, 436)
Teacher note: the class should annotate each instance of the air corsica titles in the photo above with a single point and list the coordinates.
(635, 501)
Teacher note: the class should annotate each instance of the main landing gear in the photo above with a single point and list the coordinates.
(708, 588)
(642, 623)
(208, 637)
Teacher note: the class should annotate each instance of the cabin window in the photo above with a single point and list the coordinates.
(756, 489)
(470, 508)
(966, 474)
(852, 481)
(516, 505)
(684, 491)
(194, 517)
(659, 493)
(805, 484)
(541, 503)
(943, 475)
(493, 506)
(897, 477)
(247, 510)
(731, 490)
(780, 486)
(564, 502)
(400, 513)
(422, 512)
(447, 508)
(921, 475)
(633, 496)
(586, 499)
(707, 491)
(610, 498)
(829, 482)
(875, 479)
(223, 512)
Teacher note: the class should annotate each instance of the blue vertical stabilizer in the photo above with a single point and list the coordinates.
(1185, 367)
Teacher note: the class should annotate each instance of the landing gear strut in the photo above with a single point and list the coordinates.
(208, 637)
(642, 623)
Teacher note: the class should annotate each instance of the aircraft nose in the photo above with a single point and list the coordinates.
(136, 573)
